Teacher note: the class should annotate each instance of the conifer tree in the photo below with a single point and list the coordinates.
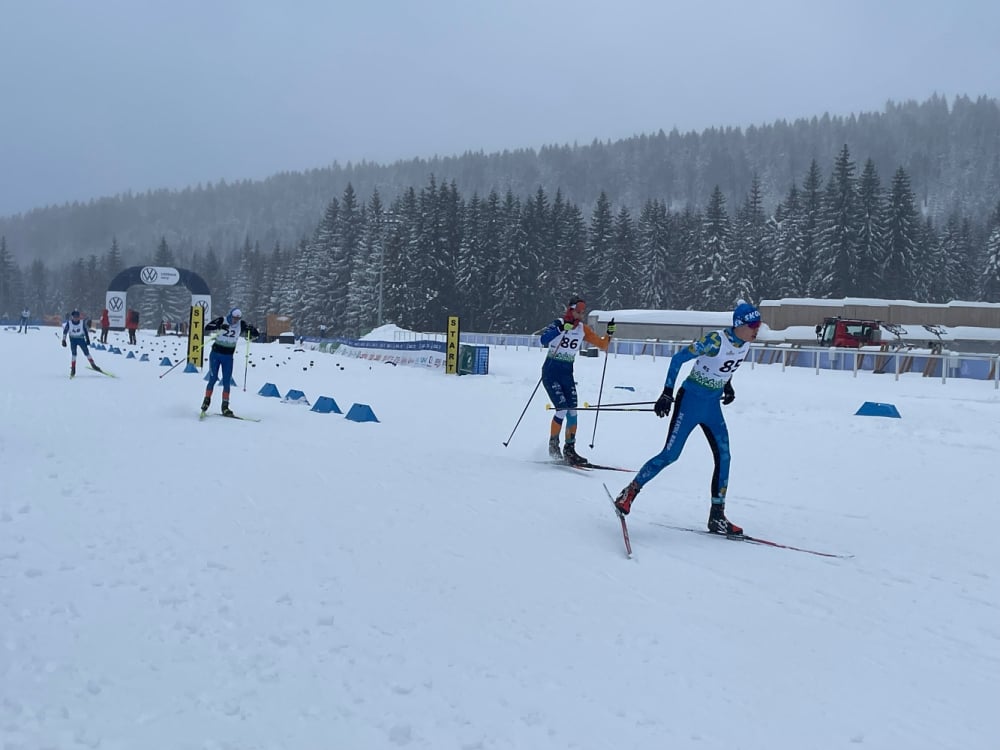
(715, 290)
(901, 239)
(571, 241)
(991, 270)
(113, 262)
(691, 260)
(512, 272)
(9, 304)
(618, 278)
(871, 232)
(402, 298)
(600, 247)
(656, 266)
(539, 255)
(341, 251)
(809, 227)
(789, 262)
(471, 279)
(836, 257)
(749, 264)
(363, 300)
(314, 274)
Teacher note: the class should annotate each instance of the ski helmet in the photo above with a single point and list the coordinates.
(746, 314)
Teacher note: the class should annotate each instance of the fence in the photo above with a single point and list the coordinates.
(945, 366)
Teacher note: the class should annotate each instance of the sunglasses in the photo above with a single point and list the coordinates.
(755, 324)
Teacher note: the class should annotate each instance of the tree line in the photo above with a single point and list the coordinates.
(507, 263)
(951, 153)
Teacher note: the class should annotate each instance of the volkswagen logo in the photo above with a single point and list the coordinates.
(116, 304)
(148, 275)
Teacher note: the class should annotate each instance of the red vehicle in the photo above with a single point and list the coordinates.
(848, 333)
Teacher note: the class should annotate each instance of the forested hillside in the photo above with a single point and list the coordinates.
(902, 203)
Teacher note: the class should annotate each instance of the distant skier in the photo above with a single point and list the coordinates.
(25, 315)
(231, 329)
(105, 325)
(564, 336)
(132, 324)
(79, 336)
(717, 355)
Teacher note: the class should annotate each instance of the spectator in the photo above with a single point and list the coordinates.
(132, 324)
(105, 325)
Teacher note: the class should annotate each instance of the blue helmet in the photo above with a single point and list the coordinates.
(746, 314)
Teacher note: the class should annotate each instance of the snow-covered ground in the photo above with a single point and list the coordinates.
(310, 582)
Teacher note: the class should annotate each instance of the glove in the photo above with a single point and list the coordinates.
(662, 406)
(569, 326)
(728, 394)
(64, 342)
(611, 328)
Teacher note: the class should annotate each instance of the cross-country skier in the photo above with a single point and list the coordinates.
(231, 329)
(564, 336)
(79, 336)
(717, 355)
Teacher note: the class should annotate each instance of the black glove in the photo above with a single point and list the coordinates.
(728, 394)
(611, 328)
(662, 406)
(64, 342)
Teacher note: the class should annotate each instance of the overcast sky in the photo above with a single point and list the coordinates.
(105, 96)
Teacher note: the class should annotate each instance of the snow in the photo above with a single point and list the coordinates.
(309, 582)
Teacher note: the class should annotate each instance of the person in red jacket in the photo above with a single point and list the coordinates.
(132, 323)
(105, 325)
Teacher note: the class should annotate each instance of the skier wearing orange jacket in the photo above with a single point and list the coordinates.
(564, 336)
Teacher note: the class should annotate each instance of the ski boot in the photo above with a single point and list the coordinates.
(93, 366)
(571, 457)
(206, 402)
(72, 370)
(625, 498)
(554, 451)
(719, 524)
(226, 411)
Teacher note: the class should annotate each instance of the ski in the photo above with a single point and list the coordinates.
(621, 517)
(237, 416)
(584, 467)
(754, 540)
(204, 414)
(602, 467)
(103, 372)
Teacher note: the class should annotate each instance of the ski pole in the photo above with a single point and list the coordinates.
(619, 403)
(523, 412)
(175, 365)
(613, 408)
(600, 391)
(588, 407)
(246, 367)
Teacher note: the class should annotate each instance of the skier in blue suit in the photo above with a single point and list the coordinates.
(717, 355)
(231, 329)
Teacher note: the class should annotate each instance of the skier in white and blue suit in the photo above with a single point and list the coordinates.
(717, 356)
(231, 329)
(79, 337)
